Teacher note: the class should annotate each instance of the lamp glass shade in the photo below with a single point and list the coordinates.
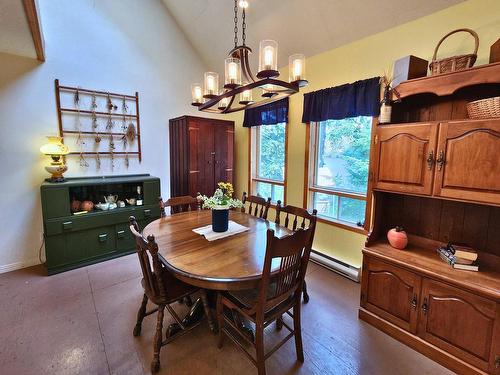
(223, 103)
(232, 72)
(296, 67)
(268, 56)
(54, 147)
(211, 88)
(196, 94)
(246, 97)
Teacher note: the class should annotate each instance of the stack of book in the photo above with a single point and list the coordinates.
(461, 257)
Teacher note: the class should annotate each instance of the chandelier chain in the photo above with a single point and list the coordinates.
(244, 27)
(236, 23)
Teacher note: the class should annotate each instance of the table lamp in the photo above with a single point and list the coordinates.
(55, 149)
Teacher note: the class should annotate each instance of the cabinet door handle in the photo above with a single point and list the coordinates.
(440, 161)
(430, 160)
(67, 225)
(120, 234)
(147, 213)
(414, 302)
(425, 307)
(103, 237)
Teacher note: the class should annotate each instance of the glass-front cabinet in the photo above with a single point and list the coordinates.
(86, 219)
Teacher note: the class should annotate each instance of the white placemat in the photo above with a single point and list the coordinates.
(210, 235)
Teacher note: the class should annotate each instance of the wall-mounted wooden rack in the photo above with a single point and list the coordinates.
(106, 135)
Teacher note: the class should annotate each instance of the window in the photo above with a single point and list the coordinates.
(268, 161)
(338, 171)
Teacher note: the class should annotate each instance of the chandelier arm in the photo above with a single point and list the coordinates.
(245, 67)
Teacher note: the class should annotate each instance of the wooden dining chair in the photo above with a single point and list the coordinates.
(279, 291)
(294, 217)
(161, 288)
(179, 204)
(258, 206)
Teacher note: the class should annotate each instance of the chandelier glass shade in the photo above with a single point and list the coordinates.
(239, 81)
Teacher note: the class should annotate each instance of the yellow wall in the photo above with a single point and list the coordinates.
(362, 59)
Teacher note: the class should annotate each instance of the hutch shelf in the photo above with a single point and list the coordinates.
(437, 173)
(76, 240)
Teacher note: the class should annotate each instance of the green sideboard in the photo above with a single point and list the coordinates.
(72, 241)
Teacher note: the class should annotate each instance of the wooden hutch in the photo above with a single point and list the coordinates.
(437, 173)
(201, 154)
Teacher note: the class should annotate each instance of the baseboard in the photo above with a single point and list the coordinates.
(433, 352)
(335, 265)
(18, 265)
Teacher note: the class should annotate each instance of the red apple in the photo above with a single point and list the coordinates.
(397, 238)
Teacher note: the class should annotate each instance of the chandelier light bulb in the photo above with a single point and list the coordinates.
(197, 94)
(297, 69)
(246, 97)
(232, 67)
(211, 85)
(243, 4)
(268, 59)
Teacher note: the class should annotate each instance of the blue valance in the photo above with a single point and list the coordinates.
(361, 98)
(268, 114)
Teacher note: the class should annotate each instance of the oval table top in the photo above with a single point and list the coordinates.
(230, 263)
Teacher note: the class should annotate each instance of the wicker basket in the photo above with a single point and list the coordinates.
(484, 108)
(454, 63)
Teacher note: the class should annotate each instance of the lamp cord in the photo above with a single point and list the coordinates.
(40, 251)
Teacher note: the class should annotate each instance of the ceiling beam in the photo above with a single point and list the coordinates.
(30, 8)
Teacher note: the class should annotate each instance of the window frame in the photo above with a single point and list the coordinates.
(310, 163)
(253, 178)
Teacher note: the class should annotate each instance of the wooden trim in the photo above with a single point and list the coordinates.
(306, 167)
(268, 181)
(367, 198)
(343, 225)
(251, 167)
(340, 193)
(36, 30)
(371, 179)
(249, 184)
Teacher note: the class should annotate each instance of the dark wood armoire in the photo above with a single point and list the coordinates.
(437, 173)
(201, 154)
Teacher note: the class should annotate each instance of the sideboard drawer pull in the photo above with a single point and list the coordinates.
(103, 237)
(147, 213)
(67, 225)
(120, 234)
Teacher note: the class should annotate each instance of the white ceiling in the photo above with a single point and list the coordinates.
(15, 34)
(305, 26)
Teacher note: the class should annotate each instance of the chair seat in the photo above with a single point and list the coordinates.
(174, 288)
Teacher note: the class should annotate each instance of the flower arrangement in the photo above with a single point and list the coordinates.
(222, 198)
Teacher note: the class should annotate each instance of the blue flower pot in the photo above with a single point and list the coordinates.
(220, 220)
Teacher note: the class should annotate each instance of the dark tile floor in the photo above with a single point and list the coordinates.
(80, 322)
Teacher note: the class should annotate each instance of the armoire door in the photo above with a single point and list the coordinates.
(223, 142)
(458, 322)
(468, 161)
(201, 157)
(391, 292)
(404, 157)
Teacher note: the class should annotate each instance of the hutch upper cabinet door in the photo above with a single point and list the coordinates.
(404, 157)
(468, 161)
(459, 322)
(391, 292)
(224, 138)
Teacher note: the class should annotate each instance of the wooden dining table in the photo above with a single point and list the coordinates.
(231, 263)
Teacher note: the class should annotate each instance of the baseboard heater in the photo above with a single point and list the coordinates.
(335, 265)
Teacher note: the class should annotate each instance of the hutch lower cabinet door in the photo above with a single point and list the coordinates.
(468, 161)
(458, 322)
(201, 155)
(404, 157)
(391, 292)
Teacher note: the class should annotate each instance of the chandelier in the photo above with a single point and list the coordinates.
(239, 80)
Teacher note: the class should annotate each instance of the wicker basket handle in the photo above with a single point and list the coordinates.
(472, 32)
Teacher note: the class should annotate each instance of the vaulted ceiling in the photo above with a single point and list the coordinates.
(305, 26)
(15, 34)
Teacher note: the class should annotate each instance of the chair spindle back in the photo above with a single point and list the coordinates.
(258, 206)
(293, 217)
(179, 204)
(147, 251)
